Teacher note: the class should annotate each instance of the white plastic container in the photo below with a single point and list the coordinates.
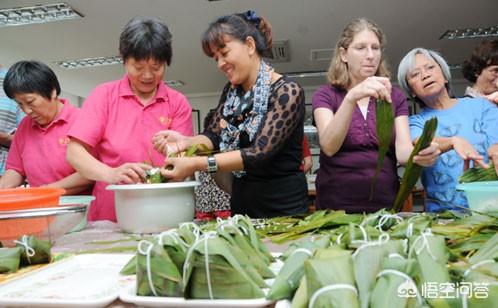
(482, 196)
(153, 208)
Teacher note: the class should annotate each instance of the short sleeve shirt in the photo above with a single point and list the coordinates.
(474, 119)
(343, 180)
(120, 128)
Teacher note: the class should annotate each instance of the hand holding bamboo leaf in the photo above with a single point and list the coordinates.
(412, 170)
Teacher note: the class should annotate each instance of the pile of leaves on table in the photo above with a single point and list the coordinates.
(386, 260)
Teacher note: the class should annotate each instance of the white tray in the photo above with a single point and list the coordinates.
(128, 295)
(90, 280)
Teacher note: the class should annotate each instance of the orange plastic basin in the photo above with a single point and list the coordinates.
(23, 199)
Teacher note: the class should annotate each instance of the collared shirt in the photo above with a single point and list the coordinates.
(469, 91)
(119, 128)
(39, 153)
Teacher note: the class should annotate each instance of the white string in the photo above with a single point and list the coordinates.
(383, 238)
(147, 252)
(425, 244)
(195, 228)
(473, 267)
(395, 255)
(332, 287)
(338, 240)
(173, 234)
(409, 230)
(385, 218)
(405, 246)
(306, 251)
(206, 262)
(363, 232)
(403, 275)
(205, 237)
(28, 249)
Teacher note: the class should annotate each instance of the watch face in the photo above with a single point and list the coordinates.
(212, 166)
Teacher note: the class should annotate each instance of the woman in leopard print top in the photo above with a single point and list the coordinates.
(257, 125)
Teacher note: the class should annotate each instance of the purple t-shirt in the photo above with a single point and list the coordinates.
(343, 180)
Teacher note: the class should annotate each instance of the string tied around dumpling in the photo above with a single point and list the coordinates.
(30, 252)
(146, 252)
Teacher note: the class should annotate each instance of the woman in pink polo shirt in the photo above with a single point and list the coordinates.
(119, 118)
(38, 151)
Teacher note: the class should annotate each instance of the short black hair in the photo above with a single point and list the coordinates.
(143, 38)
(30, 77)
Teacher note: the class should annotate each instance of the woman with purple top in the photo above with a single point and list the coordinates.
(344, 112)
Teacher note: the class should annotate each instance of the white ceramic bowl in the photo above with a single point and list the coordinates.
(153, 208)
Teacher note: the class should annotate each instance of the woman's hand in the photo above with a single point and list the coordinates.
(467, 152)
(178, 168)
(493, 97)
(378, 87)
(128, 173)
(428, 156)
(169, 141)
(494, 158)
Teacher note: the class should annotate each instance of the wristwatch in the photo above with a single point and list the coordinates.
(212, 166)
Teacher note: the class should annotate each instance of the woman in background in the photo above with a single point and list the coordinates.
(345, 116)
(38, 152)
(481, 69)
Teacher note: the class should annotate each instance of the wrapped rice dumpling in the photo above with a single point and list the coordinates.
(10, 259)
(412, 226)
(235, 236)
(367, 260)
(171, 242)
(395, 279)
(330, 279)
(431, 253)
(157, 274)
(482, 277)
(248, 261)
(33, 250)
(287, 280)
(244, 223)
(189, 232)
(212, 272)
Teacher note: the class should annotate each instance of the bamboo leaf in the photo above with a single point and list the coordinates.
(412, 170)
(384, 129)
(479, 174)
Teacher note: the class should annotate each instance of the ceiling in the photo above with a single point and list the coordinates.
(307, 24)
